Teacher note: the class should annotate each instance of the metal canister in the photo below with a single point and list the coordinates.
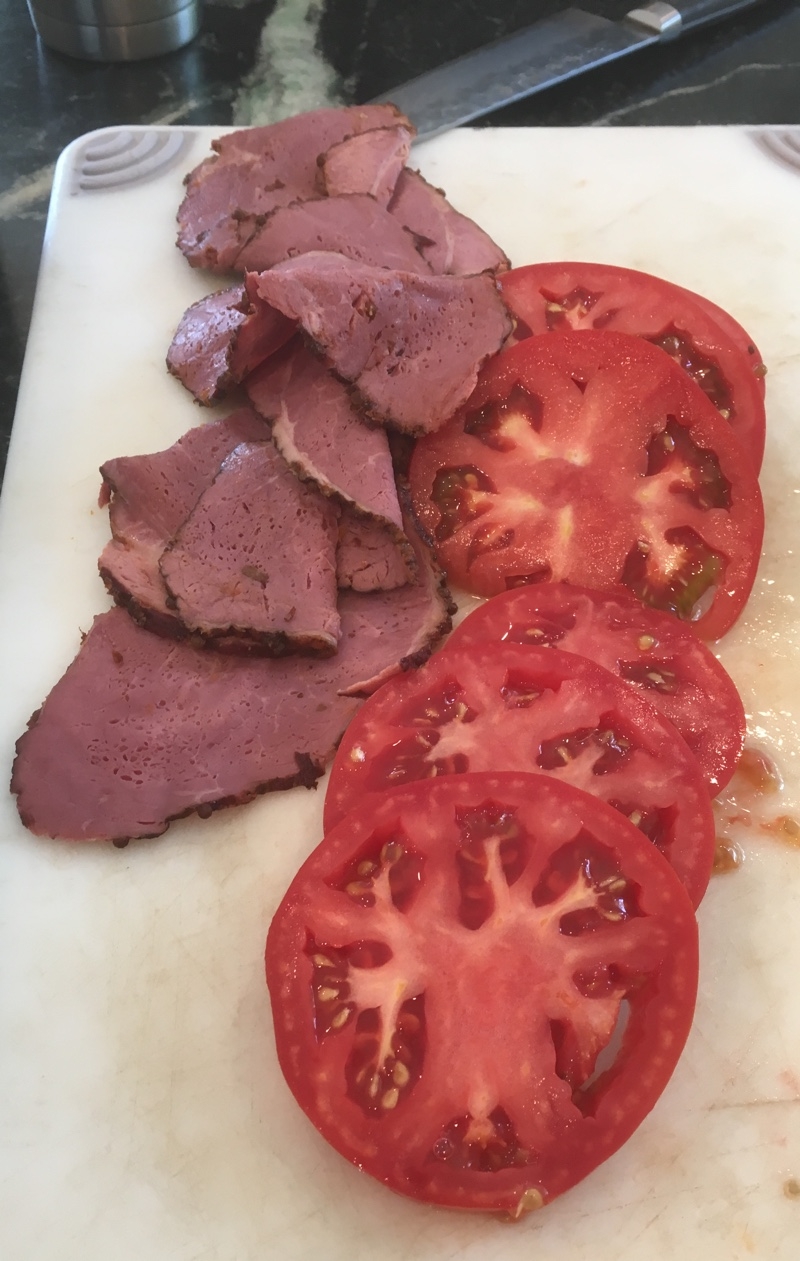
(115, 30)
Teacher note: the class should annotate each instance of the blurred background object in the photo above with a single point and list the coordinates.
(115, 30)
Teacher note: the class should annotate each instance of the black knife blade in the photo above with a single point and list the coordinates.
(548, 52)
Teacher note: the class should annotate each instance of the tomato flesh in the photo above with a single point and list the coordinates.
(707, 343)
(662, 657)
(487, 1042)
(589, 457)
(536, 710)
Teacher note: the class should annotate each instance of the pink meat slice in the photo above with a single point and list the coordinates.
(320, 434)
(353, 224)
(141, 729)
(367, 163)
(452, 244)
(411, 345)
(223, 337)
(149, 497)
(255, 560)
(414, 618)
(368, 557)
(254, 171)
(324, 440)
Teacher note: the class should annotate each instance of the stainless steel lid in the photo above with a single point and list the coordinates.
(115, 30)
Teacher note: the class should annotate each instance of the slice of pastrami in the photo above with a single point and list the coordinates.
(368, 557)
(142, 729)
(353, 224)
(257, 169)
(222, 338)
(452, 243)
(255, 560)
(411, 345)
(149, 498)
(369, 162)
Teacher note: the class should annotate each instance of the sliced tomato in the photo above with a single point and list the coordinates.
(592, 458)
(650, 650)
(481, 986)
(707, 342)
(472, 708)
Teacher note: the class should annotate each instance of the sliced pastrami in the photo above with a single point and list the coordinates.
(258, 169)
(255, 560)
(225, 204)
(411, 345)
(370, 162)
(141, 730)
(368, 557)
(322, 437)
(413, 618)
(223, 337)
(353, 224)
(294, 145)
(451, 243)
(320, 434)
(149, 497)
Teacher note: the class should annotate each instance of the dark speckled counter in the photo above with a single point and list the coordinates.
(254, 62)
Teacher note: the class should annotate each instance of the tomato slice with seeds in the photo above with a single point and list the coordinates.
(712, 347)
(590, 457)
(650, 650)
(536, 710)
(481, 986)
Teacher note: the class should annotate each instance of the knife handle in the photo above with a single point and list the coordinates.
(667, 21)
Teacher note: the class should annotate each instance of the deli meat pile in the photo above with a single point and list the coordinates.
(267, 554)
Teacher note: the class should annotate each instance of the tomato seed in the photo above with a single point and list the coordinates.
(528, 1202)
(400, 1074)
(390, 1099)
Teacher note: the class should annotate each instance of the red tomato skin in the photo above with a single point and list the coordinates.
(491, 725)
(396, 1147)
(589, 459)
(635, 643)
(629, 301)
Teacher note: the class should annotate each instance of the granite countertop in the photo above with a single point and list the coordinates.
(257, 61)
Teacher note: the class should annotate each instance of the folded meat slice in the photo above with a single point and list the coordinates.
(451, 243)
(255, 560)
(320, 434)
(257, 169)
(223, 337)
(353, 224)
(411, 345)
(149, 498)
(141, 729)
(370, 162)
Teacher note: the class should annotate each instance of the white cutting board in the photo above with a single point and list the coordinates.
(142, 1114)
